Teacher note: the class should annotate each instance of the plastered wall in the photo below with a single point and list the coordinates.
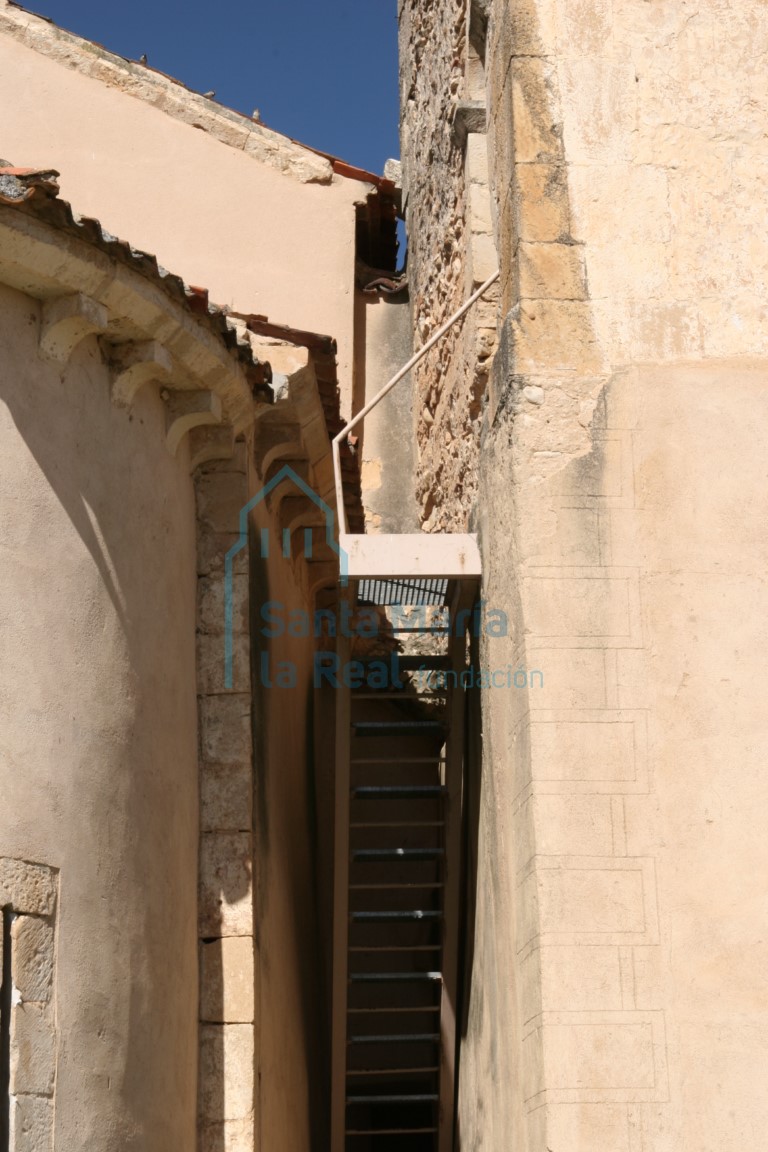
(615, 1001)
(260, 222)
(98, 761)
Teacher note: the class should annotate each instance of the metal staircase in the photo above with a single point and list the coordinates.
(399, 772)
(397, 834)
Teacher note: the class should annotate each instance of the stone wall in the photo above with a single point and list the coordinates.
(450, 252)
(227, 1066)
(28, 899)
(613, 998)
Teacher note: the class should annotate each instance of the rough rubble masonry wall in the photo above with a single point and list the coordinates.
(451, 251)
(616, 997)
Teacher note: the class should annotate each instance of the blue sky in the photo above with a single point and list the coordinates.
(322, 71)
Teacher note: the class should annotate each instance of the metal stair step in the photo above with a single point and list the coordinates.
(398, 1038)
(395, 887)
(398, 791)
(403, 695)
(399, 727)
(415, 914)
(397, 948)
(431, 1098)
(389, 1131)
(422, 1071)
(397, 853)
(398, 761)
(357, 825)
(395, 977)
(416, 663)
(410, 1009)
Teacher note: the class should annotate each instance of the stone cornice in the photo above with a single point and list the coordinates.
(145, 334)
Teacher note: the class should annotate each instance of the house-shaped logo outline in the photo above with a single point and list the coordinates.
(285, 473)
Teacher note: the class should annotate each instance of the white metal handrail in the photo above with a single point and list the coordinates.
(414, 360)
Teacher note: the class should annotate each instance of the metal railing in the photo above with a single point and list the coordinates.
(414, 360)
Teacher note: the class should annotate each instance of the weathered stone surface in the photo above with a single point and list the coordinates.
(450, 383)
(32, 1050)
(550, 334)
(227, 980)
(484, 258)
(237, 460)
(220, 498)
(213, 604)
(27, 887)
(544, 208)
(552, 270)
(226, 1073)
(226, 797)
(535, 111)
(212, 549)
(31, 1124)
(225, 729)
(469, 116)
(476, 159)
(393, 170)
(226, 884)
(33, 958)
(229, 1136)
(212, 667)
(534, 394)
(480, 215)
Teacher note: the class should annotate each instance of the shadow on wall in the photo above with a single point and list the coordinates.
(548, 364)
(473, 782)
(290, 1024)
(108, 645)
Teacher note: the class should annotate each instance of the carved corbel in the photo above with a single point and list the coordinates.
(66, 321)
(469, 116)
(211, 443)
(188, 410)
(299, 512)
(135, 364)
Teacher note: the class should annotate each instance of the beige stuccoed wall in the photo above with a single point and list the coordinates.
(388, 470)
(616, 997)
(291, 1043)
(98, 761)
(213, 205)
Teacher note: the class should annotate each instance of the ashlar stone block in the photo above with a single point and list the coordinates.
(226, 1136)
(226, 884)
(544, 209)
(552, 270)
(33, 958)
(29, 888)
(226, 1073)
(225, 729)
(226, 797)
(227, 981)
(32, 1050)
(31, 1124)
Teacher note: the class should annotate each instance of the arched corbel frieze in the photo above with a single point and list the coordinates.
(66, 321)
(135, 364)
